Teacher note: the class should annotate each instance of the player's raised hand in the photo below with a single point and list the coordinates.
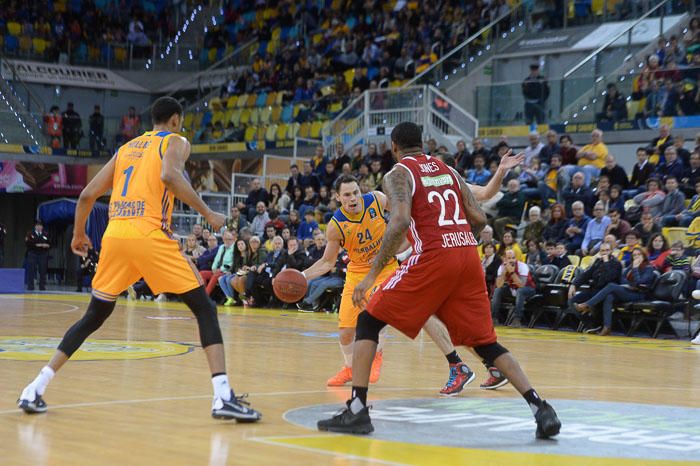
(80, 244)
(216, 220)
(509, 161)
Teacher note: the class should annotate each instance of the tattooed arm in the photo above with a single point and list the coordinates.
(397, 187)
(475, 214)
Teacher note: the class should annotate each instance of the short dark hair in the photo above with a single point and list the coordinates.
(164, 108)
(407, 135)
(345, 179)
(550, 244)
(565, 136)
(671, 177)
(294, 165)
(614, 211)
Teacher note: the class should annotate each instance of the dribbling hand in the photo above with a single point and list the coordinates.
(80, 244)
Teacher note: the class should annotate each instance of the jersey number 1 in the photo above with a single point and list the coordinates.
(443, 199)
(128, 173)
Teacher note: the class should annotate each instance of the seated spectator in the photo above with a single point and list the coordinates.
(206, 260)
(514, 279)
(235, 221)
(294, 179)
(550, 185)
(577, 191)
(682, 152)
(274, 263)
(297, 198)
(673, 204)
(646, 228)
(296, 255)
(604, 270)
(534, 148)
(614, 106)
(555, 230)
(616, 199)
(568, 151)
(192, 247)
(652, 200)
(641, 172)
(691, 175)
(657, 147)
(294, 222)
(261, 218)
(486, 237)
(595, 230)
(329, 175)
(490, 262)
(636, 283)
(510, 208)
(241, 259)
(549, 149)
(463, 159)
(307, 227)
(223, 262)
(256, 194)
(658, 249)
(309, 202)
(374, 180)
(309, 178)
(530, 177)
(677, 259)
(591, 157)
(617, 227)
(576, 227)
(631, 242)
(478, 175)
(615, 173)
(197, 232)
(256, 261)
(270, 233)
(612, 241)
(508, 243)
(560, 257)
(318, 286)
(535, 256)
(535, 225)
(672, 166)
(279, 200)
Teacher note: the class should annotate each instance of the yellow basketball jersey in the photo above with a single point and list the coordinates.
(138, 194)
(362, 234)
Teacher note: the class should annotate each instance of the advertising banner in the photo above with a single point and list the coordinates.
(42, 178)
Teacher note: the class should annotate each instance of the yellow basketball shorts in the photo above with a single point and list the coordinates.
(347, 314)
(130, 252)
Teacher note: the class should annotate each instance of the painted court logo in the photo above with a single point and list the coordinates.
(41, 348)
(589, 428)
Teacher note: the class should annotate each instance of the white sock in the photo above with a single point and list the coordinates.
(382, 339)
(221, 387)
(356, 406)
(347, 353)
(43, 379)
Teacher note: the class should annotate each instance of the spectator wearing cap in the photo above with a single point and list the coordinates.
(535, 92)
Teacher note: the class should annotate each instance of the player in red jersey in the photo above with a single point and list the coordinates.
(443, 276)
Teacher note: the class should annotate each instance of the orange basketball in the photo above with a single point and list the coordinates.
(290, 285)
(238, 283)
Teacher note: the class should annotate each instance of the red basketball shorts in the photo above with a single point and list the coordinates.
(448, 283)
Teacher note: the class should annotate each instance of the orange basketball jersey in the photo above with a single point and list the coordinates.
(138, 194)
(362, 233)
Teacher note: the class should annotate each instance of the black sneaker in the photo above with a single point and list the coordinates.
(548, 424)
(235, 408)
(347, 422)
(32, 406)
(305, 307)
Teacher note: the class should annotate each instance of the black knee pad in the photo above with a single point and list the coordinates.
(204, 311)
(97, 312)
(489, 353)
(368, 327)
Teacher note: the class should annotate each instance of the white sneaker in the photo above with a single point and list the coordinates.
(161, 298)
(696, 294)
(696, 340)
(31, 402)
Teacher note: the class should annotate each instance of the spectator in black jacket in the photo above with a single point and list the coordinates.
(37, 242)
(556, 227)
(641, 172)
(560, 258)
(614, 106)
(490, 263)
(672, 167)
(329, 175)
(72, 128)
(577, 191)
(692, 175)
(510, 207)
(274, 263)
(256, 194)
(615, 173)
(296, 256)
(97, 129)
(535, 92)
(294, 179)
(309, 178)
(552, 147)
(606, 269)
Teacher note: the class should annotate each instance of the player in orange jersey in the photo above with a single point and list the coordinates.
(145, 176)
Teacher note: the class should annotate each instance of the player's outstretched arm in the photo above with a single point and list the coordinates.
(326, 263)
(95, 188)
(171, 174)
(484, 193)
(475, 215)
(397, 187)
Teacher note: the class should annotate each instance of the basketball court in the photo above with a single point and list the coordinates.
(138, 392)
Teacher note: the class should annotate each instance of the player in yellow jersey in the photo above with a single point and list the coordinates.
(358, 227)
(145, 176)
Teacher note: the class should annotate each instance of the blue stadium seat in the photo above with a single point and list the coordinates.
(372, 72)
(262, 48)
(287, 113)
(11, 44)
(206, 118)
(262, 98)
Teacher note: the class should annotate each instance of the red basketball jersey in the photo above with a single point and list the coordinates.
(438, 219)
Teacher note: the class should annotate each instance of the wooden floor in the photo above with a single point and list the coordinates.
(129, 402)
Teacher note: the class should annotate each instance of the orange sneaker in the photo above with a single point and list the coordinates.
(343, 376)
(376, 367)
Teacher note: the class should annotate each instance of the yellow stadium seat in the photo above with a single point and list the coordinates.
(245, 116)
(586, 261)
(120, 54)
(231, 101)
(94, 53)
(215, 104)
(296, 110)
(227, 117)
(282, 132)
(250, 133)
(261, 133)
(279, 98)
(252, 98)
(242, 99)
(575, 260)
(304, 130)
(335, 107)
(265, 115)
(349, 76)
(197, 123)
(317, 38)
(673, 234)
(292, 131)
(235, 116)
(276, 113)
(59, 7)
(271, 97)
(187, 122)
(217, 117)
(271, 133)
(40, 45)
(14, 29)
(316, 128)
(25, 44)
(254, 116)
